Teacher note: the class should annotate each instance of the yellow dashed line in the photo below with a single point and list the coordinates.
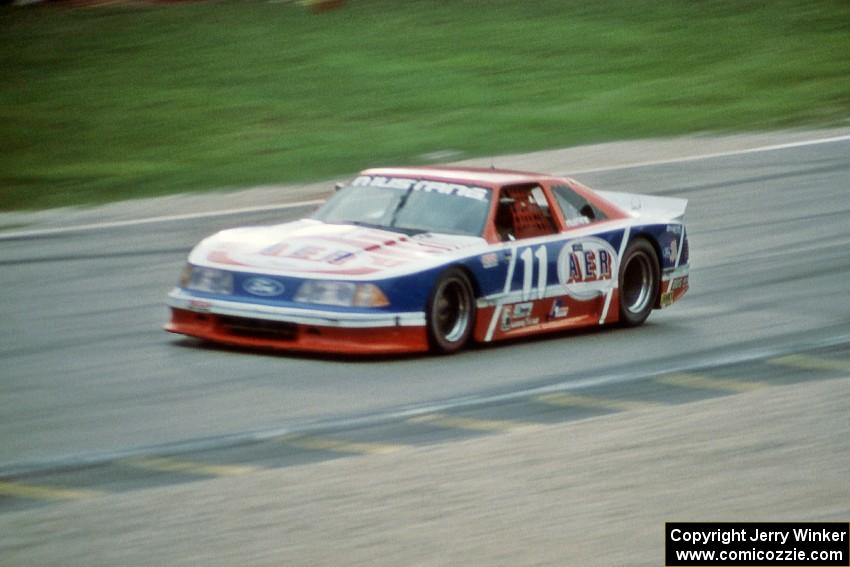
(706, 383)
(341, 446)
(162, 464)
(473, 424)
(34, 492)
(807, 362)
(573, 400)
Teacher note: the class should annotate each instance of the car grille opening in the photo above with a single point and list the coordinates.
(258, 328)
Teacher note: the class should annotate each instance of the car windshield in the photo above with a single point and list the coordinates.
(409, 205)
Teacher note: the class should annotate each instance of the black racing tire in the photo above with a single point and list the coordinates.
(639, 280)
(450, 312)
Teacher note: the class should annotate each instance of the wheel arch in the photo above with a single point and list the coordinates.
(656, 302)
(437, 341)
(473, 280)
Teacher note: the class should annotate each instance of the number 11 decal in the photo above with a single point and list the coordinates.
(527, 257)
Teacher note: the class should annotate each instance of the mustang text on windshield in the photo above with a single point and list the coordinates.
(477, 193)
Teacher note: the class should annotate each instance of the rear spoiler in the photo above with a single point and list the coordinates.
(648, 207)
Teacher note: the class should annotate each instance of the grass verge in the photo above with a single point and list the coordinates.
(139, 100)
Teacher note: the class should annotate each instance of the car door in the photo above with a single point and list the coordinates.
(528, 300)
(559, 262)
(588, 260)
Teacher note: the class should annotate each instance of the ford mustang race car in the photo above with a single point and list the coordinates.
(411, 259)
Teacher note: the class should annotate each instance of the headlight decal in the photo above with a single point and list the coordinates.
(342, 294)
(208, 280)
(369, 295)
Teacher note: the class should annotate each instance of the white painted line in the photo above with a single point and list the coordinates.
(227, 212)
(154, 220)
(699, 157)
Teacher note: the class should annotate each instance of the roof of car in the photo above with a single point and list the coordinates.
(477, 175)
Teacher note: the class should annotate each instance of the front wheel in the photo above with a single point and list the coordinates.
(451, 312)
(639, 281)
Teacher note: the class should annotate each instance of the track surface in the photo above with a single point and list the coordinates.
(86, 369)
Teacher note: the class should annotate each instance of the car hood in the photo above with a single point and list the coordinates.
(312, 248)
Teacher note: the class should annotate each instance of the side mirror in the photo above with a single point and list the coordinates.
(338, 185)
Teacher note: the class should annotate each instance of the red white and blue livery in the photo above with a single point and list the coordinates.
(412, 259)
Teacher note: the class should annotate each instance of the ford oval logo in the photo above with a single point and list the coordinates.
(264, 287)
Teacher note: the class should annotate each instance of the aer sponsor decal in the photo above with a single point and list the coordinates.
(199, 305)
(359, 252)
(587, 267)
(336, 254)
(518, 316)
(558, 310)
(671, 252)
(468, 191)
(676, 288)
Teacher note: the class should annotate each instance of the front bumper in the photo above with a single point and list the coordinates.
(293, 328)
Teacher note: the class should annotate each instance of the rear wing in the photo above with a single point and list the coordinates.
(648, 207)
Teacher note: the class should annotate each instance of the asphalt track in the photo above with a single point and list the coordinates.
(87, 373)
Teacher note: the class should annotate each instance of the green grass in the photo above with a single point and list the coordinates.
(122, 102)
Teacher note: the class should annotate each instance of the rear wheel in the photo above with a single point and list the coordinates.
(451, 312)
(639, 281)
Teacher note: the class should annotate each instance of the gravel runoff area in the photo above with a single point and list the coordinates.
(593, 492)
(565, 161)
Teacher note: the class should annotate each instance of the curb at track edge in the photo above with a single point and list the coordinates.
(401, 413)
